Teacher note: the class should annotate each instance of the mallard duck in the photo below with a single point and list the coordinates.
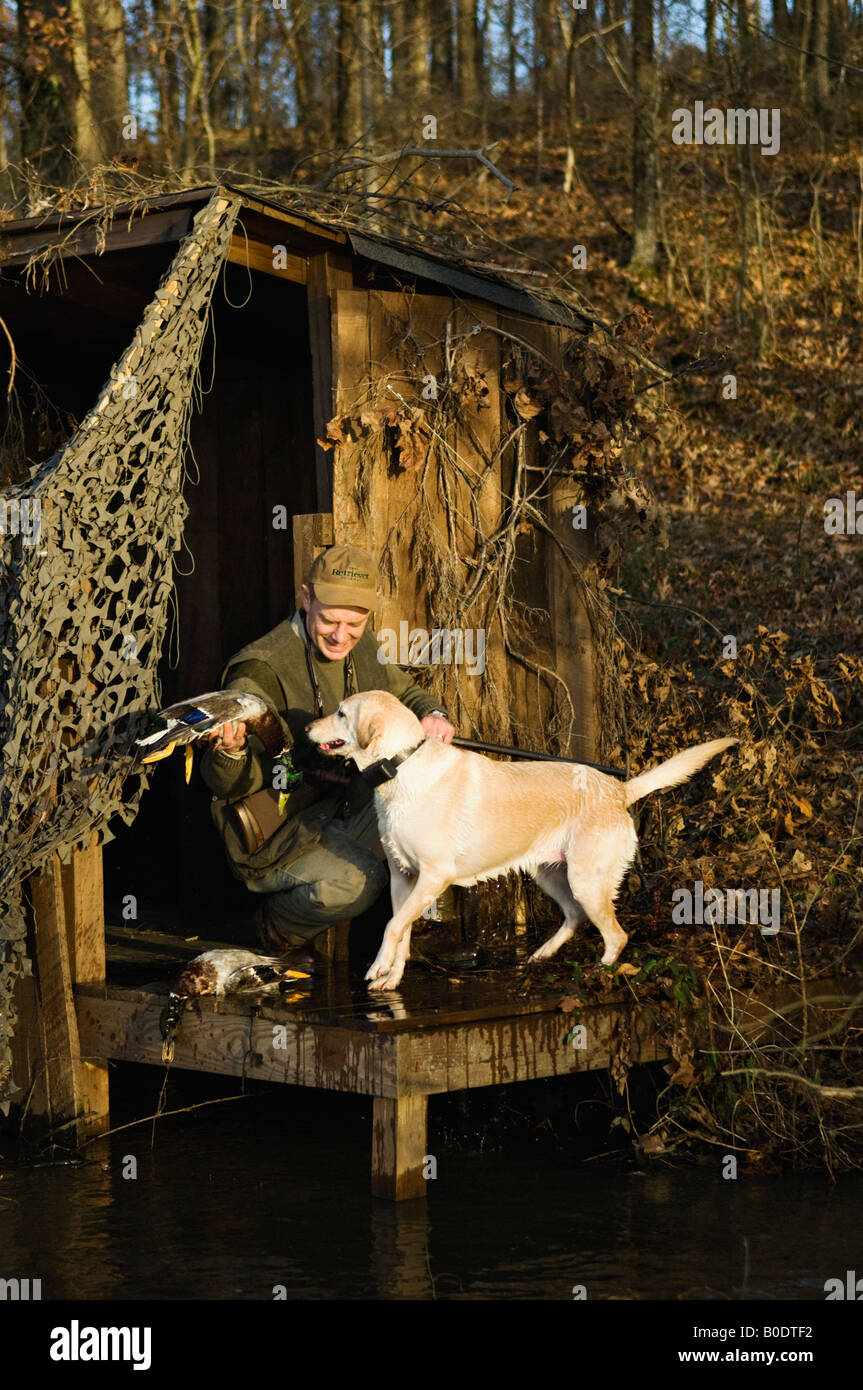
(181, 724)
(228, 971)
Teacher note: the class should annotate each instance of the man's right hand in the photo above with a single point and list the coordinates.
(230, 736)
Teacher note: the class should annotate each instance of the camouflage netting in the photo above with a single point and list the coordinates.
(86, 576)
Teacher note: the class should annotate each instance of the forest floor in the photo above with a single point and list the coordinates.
(743, 481)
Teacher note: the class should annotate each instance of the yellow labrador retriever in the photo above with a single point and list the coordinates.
(448, 816)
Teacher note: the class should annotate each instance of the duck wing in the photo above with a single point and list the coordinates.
(231, 971)
(269, 978)
(192, 719)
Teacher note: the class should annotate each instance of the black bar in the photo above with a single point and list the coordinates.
(534, 757)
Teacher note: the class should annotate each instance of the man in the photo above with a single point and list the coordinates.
(325, 862)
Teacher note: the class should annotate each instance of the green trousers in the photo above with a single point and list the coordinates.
(340, 875)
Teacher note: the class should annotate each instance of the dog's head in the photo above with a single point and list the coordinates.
(367, 727)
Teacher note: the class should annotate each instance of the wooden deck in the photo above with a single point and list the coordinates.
(435, 1034)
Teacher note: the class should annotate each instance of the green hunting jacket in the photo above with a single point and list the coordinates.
(275, 667)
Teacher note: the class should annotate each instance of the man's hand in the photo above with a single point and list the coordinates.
(230, 736)
(437, 727)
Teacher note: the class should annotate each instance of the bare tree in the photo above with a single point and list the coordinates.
(644, 90)
(542, 45)
(511, 50)
(443, 45)
(821, 44)
(466, 43)
(410, 40)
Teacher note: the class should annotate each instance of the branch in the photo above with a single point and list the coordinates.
(14, 358)
(827, 1092)
(364, 162)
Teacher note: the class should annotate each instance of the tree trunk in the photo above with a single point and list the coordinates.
(466, 41)
(349, 108)
(166, 43)
(571, 77)
(710, 29)
(746, 16)
(820, 44)
(367, 51)
(541, 48)
(87, 135)
(443, 68)
(110, 83)
(46, 89)
(511, 52)
(806, 12)
(218, 68)
(420, 49)
(410, 39)
(396, 9)
(644, 234)
(299, 39)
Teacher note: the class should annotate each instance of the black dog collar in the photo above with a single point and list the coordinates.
(385, 770)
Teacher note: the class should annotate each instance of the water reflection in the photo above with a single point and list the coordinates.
(241, 1199)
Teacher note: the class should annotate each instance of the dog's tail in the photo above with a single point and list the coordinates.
(677, 769)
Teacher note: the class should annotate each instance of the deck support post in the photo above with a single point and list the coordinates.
(399, 1147)
(70, 947)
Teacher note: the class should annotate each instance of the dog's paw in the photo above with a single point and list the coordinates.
(379, 968)
(543, 952)
(391, 980)
(614, 948)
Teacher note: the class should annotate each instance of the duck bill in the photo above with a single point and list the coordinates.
(162, 753)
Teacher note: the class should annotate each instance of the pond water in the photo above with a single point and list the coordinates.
(270, 1191)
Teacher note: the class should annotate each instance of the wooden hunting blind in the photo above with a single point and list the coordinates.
(209, 387)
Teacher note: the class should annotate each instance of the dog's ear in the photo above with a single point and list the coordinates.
(370, 731)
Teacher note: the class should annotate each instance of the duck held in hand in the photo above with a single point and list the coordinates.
(182, 724)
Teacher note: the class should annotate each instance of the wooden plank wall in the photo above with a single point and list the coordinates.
(375, 502)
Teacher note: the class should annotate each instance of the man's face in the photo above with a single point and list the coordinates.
(334, 631)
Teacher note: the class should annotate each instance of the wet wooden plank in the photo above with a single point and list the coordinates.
(59, 1022)
(503, 1051)
(29, 1072)
(339, 1000)
(398, 1147)
(260, 1046)
(84, 903)
(293, 1045)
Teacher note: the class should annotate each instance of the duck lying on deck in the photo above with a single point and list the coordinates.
(229, 971)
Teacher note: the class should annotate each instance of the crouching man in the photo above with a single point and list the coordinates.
(324, 860)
